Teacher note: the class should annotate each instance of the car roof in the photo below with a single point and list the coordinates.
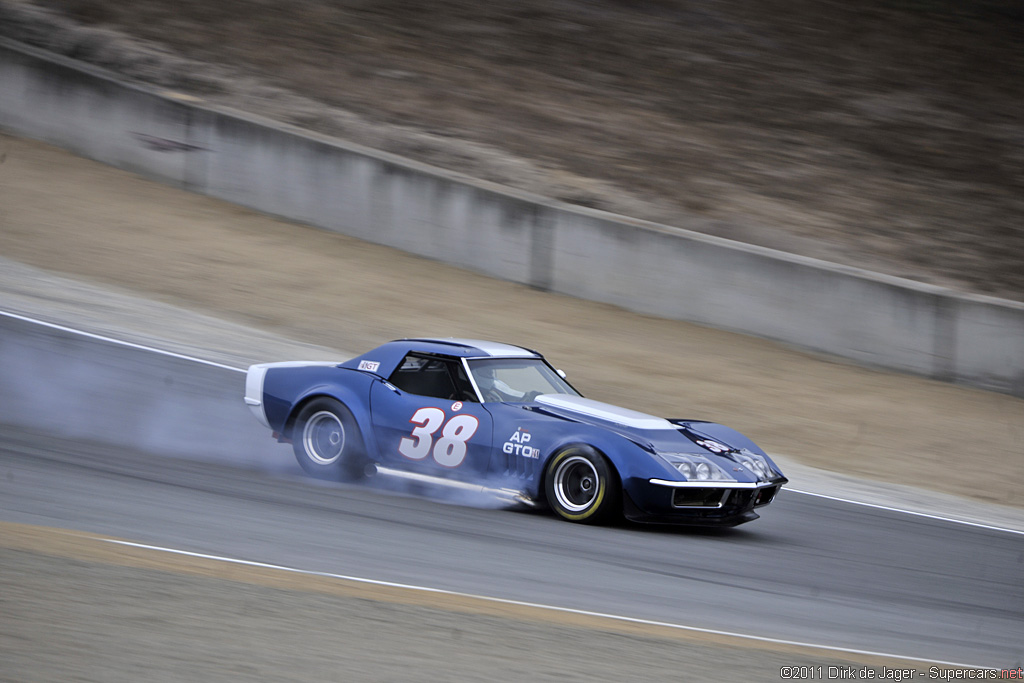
(385, 358)
(473, 348)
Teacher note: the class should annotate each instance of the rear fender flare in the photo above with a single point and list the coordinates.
(351, 400)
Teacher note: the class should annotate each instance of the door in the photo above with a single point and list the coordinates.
(426, 419)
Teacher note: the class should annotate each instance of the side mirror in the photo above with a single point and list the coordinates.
(561, 373)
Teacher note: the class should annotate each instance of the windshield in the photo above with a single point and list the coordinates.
(516, 379)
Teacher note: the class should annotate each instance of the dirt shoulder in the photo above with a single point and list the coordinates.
(882, 134)
(72, 216)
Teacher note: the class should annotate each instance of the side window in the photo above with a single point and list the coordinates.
(462, 383)
(430, 376)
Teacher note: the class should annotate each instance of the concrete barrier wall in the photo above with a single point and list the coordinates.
(670, 272)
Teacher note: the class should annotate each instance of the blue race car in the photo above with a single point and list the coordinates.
(463, 410)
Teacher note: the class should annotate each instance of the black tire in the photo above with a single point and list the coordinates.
(328, 443)
(582, 486)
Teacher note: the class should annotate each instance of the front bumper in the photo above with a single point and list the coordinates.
(660, 501)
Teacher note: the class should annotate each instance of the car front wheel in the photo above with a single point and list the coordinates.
(327, 441)
(582, 486)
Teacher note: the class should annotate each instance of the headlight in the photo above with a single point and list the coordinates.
(696, 467)
(755, 463)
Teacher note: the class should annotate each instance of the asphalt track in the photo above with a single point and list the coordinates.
(812, 570)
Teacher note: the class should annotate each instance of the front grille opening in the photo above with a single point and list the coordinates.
(699, 497)
(742, 498)
(765, 496)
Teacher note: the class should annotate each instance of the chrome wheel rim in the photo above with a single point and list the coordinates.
(576, 483)
(323, 438)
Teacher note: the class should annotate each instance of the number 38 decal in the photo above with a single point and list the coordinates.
(450, 448)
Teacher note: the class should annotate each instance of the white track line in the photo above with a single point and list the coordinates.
(171, 354)
(119, 342)
(907, 512)
(534, 605)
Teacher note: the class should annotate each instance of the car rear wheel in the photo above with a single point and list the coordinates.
(327, 441)
(582, 486)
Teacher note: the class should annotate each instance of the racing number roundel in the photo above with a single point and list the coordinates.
(450, 449)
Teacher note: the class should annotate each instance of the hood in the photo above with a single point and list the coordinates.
(604, 412)
(677, 441)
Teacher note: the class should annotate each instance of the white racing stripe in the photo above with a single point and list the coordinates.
(539, 606)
